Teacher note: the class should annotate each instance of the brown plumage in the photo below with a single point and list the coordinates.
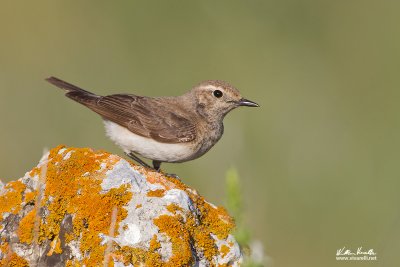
(164, 129)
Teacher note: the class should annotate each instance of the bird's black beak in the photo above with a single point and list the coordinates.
(247, 103)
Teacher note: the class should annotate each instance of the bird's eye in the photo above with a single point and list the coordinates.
(217, 93)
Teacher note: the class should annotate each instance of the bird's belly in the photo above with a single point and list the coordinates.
(147, 147)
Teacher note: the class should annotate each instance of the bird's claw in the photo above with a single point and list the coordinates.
(172, 175)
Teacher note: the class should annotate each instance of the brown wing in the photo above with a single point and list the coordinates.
(145, 116)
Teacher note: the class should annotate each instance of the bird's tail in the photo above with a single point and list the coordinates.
(74, 92)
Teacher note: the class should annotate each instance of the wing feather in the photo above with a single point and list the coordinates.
(147, 117)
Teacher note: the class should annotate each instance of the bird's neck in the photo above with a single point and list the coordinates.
(205, 111)
(208, 115)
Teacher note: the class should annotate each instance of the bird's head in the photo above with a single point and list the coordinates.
(214, 98)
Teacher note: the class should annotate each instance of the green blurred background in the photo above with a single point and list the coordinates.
(319, 161)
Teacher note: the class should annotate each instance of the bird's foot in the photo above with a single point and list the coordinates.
(157, 167)
(172, 175)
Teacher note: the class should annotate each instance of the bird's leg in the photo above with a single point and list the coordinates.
(157, 167)
(137, 159)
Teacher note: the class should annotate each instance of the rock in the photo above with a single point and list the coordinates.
(81, 207)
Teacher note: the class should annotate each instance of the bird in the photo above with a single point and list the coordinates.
(170, 129)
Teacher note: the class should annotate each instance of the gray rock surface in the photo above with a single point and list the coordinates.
(81, 207)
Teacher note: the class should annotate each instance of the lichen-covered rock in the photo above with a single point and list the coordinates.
(81, 207)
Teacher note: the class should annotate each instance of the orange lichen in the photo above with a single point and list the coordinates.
(154, 244)
(182, 232)
(175, 228)
(70, 191)
(217, 220)
(26, 227)
(55, 247)
(71, 263)
(30, 196)
(4, 248)
(11, 259)
(224, 250)
(156, 193)
(139, 256)
(212, 220)
(173, 208)
(90, 220)
(11, 201)
(167, 182)
(204, 241)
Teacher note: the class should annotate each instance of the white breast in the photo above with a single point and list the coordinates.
(147, 147)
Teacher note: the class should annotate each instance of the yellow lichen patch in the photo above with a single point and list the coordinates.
(34, 171)
(173, 208)
(70, 191)
(3, 246)
(224, 250)
(170, 182)
(139, 256)
(217, 220)
(73, 191)
(26, 227)
(212, 220)
(11, 259)
(154, 177)
(151, 177)
(94, 217)
(11, 201)
(71, 263)
(174, 227)
(55, 247)
(154, 244)
(30, 196)
(204, 241)
(156, 193)
(181, 233)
